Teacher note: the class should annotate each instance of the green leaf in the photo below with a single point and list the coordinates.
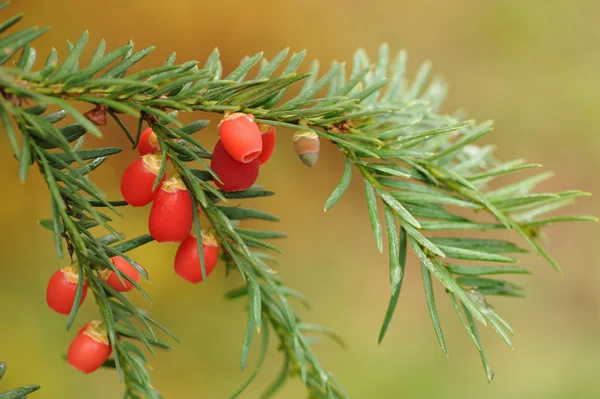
(447, 280)
(560, 219)
(480, 131)
(24, 157)
(238, 213)
(463, 320)
(89, 126)
(194, 127)
(198, 233)
(11, 21)
(69, 64)
(419, 81)
(394, 249)
(488, 370)
(247, 341)
(469, 254)
(268, 70)
(341, 187)
(263, 352)
(133, 243)
(374, 215)
(443, 225)
(484, 270)
(279, 380)
(127, 63)
(427, 283)
(57, 228)
(88, 154)
(323, 330)
(501, 171)
(244, 67)
(15, 41)
(19, 392)
(399, 209)
(70, 133)
(520, 188)
(261, 234)
(10, 132)
(394, 298)
(78, 293)
(493, 246)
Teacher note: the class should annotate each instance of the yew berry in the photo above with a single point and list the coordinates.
(138, 180)
(171, 215)
(148, 143)
(268, 142)
(62, 290)
(187, 259)
(241, 137)
(125, 268)
(234, 175)
(90, 348)
(307, 146)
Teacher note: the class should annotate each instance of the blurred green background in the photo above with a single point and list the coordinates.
(532, 66)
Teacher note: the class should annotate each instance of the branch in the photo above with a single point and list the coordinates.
(420, 166)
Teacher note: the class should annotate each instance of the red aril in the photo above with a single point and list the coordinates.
(171, 215)
(62, 290)
(138, 180)
(234, 175)
(241, 137)
(268, 142)
(125, 268)
(148, 143)
(187, 259)
(90, 348)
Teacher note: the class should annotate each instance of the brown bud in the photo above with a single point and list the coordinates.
(97, 115)
(307, 145)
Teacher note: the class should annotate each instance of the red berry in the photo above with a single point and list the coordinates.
(187, 259)
(171, 215)
(90, 348)
(241, 137)
(125, 268)
(148, 143)
(138, 179)
(234, 175)
(268, 142)
(62, 289)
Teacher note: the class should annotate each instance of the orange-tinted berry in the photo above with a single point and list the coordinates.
(187, 259)
(241, 137)
(171, 215)
(234, 175)
(62, 290)
(138, 180)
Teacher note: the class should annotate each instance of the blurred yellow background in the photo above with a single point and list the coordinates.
(532, 66)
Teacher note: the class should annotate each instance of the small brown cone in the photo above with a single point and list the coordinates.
(307, 145)
(97, 115)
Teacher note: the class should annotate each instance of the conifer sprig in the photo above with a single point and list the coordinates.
(16, 393)
(419, 167)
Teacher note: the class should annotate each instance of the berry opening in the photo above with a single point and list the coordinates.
(251, 156)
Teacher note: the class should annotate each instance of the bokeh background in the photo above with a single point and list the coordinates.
(532, 66)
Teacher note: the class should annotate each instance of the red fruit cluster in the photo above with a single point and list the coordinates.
(242, 147)
(90, 348)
